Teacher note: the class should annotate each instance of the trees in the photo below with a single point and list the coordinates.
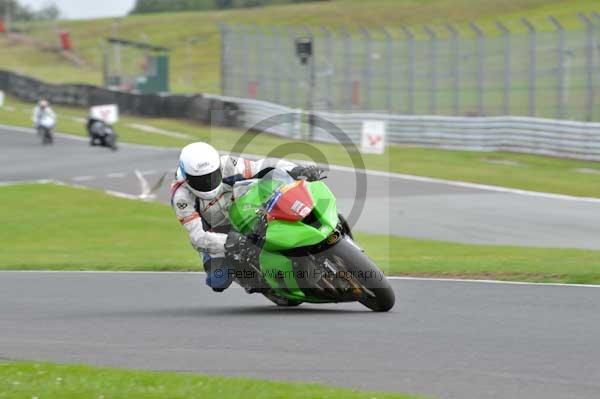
(19, 12)
(152, 6)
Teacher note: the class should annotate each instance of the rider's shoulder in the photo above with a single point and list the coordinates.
(180, 190)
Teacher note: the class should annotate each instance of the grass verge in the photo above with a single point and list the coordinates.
(99, 232)
(25, 380)
(527, 172)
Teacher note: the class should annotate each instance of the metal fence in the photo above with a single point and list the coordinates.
(441, 71)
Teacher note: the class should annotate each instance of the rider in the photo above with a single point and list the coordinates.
(42, 110)
(202, 193)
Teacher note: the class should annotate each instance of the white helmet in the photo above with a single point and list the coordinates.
(200, 166)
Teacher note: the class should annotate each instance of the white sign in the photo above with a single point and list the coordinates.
(109, 114)
(373, 137)
(1, 98)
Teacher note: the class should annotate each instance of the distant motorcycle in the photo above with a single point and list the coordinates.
(45, 129)
(102, 134)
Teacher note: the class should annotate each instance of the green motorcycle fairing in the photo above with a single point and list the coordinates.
(282, 235)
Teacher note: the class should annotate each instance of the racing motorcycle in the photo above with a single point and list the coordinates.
(303, 249)
(45, 128)
(102, 134)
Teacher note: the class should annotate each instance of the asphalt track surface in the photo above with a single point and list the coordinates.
(448, 340)
(394, 205)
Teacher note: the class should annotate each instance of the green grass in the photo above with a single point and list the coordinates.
(99, 232)
(528, 172)
(27, 380)
(195, 66)
(426, 258)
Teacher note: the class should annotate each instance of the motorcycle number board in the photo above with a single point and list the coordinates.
(1, 98)
(373, 137)
(108, 114)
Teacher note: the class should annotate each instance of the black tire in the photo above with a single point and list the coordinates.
(113, 143)
(46, 136)
(358, 264)
(345, 226)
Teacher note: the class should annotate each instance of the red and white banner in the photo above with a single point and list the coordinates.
(373, 137)
(107, 113)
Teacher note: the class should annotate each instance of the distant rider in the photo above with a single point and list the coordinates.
(41, 111)
(202, 194)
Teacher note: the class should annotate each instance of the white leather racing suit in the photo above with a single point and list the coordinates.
(207, 222)
(39, 113)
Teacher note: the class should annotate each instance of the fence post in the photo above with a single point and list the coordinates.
(297, 76)
(261, 89)
(224, 29)
(245, 60)
(410, 70)
(532, 65)
(480, 76)
(348, 86)
(276, 70)
(506, 68)
(590, 67)
(367, 63)
(432, 70)
(455, 69)
(312, 76)
(561, 84)
(239, 88)
(328, 39)
(389, 61)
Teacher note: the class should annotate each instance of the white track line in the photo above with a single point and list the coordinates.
(118, 175)
(454, 183)
(85, 139)
(391, 175)
(21, 182)
(83, 178)
(483, 187)
(393, 278)
(500, 282)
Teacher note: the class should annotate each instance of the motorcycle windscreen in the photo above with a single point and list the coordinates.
(291, 203)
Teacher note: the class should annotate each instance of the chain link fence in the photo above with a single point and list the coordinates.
(430, 72)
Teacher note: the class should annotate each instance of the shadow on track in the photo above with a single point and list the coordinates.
(218, 312)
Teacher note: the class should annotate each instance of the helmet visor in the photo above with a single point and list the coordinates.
(206, 183)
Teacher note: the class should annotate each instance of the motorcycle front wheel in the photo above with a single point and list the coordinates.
(377, 293)
(111, 142)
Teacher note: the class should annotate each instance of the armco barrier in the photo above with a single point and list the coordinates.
(196, 107)
(568, 139)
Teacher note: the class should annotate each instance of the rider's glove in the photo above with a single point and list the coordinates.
(308, 173)
(239, 250)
